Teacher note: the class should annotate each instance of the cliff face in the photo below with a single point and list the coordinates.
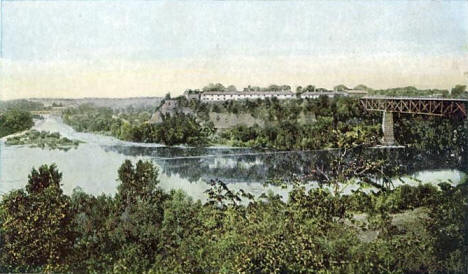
(155, 118)
(222, 121)
(169, 107)
(228, 120)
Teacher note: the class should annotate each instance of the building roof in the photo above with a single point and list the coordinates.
(248, 93)
(357, 91)
(324, 93)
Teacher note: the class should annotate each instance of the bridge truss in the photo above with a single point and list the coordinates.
(454, 108)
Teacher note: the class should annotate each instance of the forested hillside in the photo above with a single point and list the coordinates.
(337, 121)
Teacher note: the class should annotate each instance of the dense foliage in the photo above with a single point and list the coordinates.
(14, 120)
(299, 124)
(173, 130)
(291, 124)
(409, 91)
(432, 134)
(336, 120)
(142, 228)
(132, 126)
(89, 118)
(288, 135)
(458, 91)
(37, 232)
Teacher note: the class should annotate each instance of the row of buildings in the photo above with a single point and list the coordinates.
(216, 96)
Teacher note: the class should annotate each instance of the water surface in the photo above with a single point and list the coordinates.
(93, 165)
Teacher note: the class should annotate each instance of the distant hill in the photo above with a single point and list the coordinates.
(114, 103)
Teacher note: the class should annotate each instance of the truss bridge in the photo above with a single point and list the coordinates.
(445, 107)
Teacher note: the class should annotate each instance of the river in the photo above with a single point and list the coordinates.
(93, 165)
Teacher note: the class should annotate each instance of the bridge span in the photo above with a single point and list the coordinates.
(444, 107)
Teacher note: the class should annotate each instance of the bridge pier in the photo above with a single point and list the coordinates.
(387, 128)
(444, 107)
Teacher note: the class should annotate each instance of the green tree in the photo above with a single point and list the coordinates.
(458, 90)
(309, 88)
(139, 182)
(448, 225)
(214, 87)
(14, 120)
(231, 88)
(340, 88)
(36, 224)
(362, 87)
(139, 217)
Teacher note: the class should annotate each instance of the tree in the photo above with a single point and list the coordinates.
(448, 227)
(274, 87)
(14, 120)
(140, 213)
(36, 224)
(231, 88)
(340, 88)
(286, 87)
(126, 132)
(362, 87)
(458, 90)
(137, 182)
(309, 88)
(214, 87)
(43, 178)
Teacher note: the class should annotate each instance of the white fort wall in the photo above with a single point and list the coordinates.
(224, 96)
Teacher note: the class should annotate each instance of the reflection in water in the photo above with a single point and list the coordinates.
(239, 165)
(259, 166)
(93, 165)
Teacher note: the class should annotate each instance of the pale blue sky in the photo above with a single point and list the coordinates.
(140, 32)
(42, 30)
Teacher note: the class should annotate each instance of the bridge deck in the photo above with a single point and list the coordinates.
(415, 98)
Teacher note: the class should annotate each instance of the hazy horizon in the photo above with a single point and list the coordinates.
(118, 49)
(180, 93)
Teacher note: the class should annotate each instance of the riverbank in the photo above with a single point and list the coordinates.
(96, 160)
(4, 138)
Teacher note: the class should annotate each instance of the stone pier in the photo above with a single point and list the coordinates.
(387, 128)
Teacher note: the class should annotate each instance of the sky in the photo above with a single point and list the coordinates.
(112, 48)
